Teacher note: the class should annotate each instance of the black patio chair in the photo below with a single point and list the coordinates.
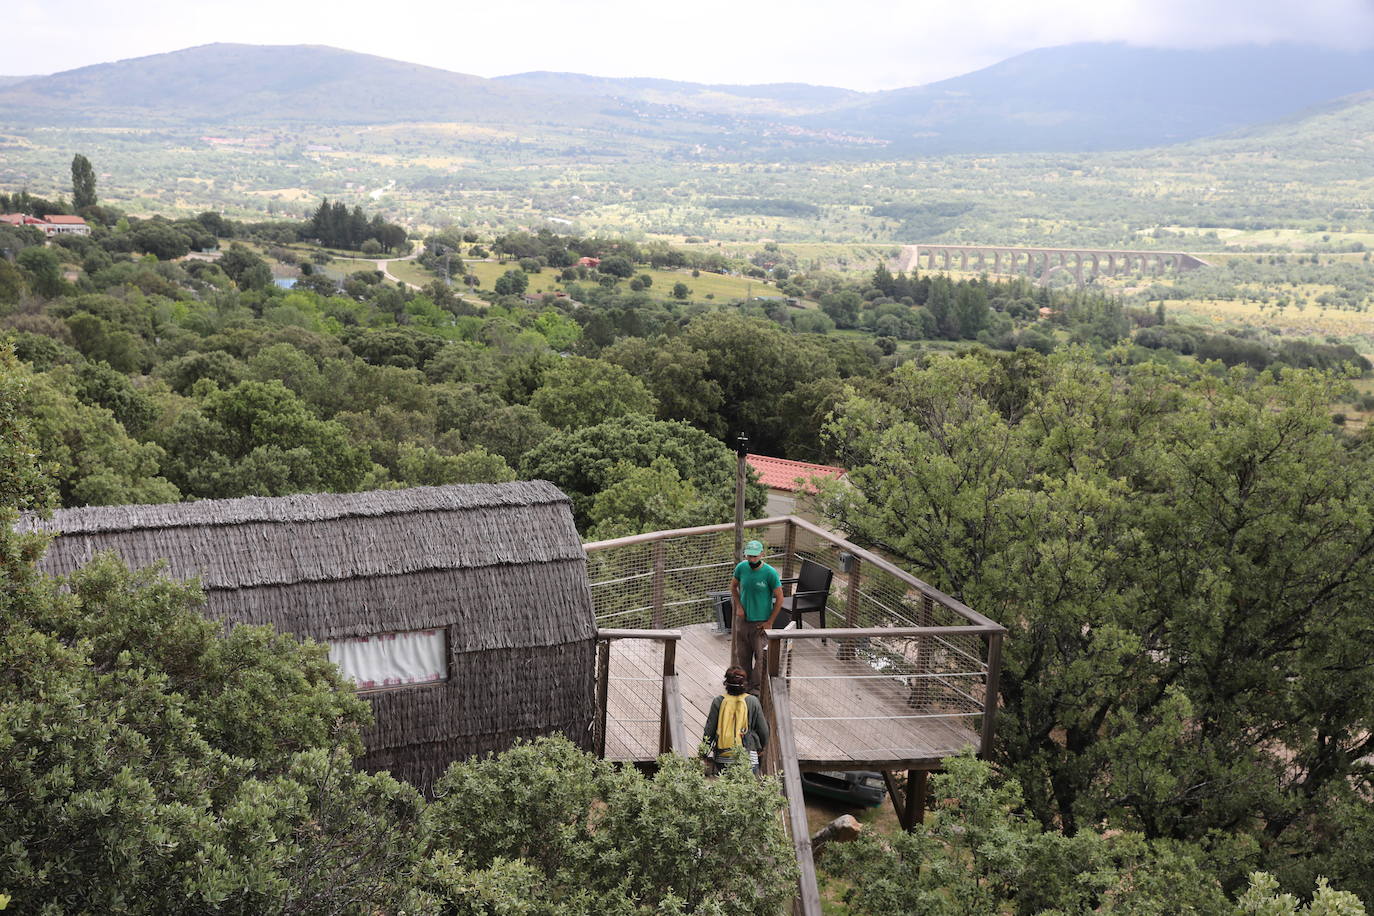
(812, 590)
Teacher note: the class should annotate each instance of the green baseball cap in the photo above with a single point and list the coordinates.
(753, 549)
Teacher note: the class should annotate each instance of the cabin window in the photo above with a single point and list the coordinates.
(387, 660)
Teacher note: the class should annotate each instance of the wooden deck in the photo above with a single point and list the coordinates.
(826, 711)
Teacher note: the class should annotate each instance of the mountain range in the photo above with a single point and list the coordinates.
(1072, 98)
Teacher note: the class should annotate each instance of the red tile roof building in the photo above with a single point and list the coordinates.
(781, 474)
(786, 480)
(55, 224)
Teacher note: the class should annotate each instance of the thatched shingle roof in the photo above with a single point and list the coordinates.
(500, 567)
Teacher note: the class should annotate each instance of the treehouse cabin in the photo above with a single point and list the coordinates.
(877, 670)
(461, 612)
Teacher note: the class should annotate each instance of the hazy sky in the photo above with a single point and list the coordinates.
(859, 44)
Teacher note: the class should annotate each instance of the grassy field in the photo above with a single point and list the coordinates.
(716, 286)
(1310, 321)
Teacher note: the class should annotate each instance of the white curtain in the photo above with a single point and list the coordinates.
(392, 659)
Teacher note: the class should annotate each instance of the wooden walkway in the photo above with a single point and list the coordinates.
(826, 706)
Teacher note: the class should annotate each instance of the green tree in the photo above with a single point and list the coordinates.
(42, 271)
(246, 269)
(426, 466)
(681, 290)
(755, 364)
(842, 307)
(160, 764)
(23, 485)
(512, 283)
(579, 392)
(581, 463)
(637, 500)
(585, 837)
(676, 375)
(257, 438)
(617, 266)
(1183, 565)
(978, 854)
(160, 239)
(91, 457)
(83, 183)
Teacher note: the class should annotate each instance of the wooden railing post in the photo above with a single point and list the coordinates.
(660, 553)
(666, 739)
(851, 600)
(603, 678)
(789, 551)
(990, 696)
(849, 647)
(808, 902)
(768, 761)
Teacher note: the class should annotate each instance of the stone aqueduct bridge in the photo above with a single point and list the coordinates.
(1043, 263)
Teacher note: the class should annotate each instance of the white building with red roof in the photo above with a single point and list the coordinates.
(55, 224)
(787, 480)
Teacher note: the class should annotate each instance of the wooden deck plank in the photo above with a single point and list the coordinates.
(839, 742)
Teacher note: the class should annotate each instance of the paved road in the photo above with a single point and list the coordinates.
(384, 265)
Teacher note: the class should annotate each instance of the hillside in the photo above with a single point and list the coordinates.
(1069, 99)
(773, 99)
(229, 83)
(1088, 97)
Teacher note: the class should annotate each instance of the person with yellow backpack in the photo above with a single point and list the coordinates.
(735, 727)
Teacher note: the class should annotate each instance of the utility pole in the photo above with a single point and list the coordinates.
(741, 476)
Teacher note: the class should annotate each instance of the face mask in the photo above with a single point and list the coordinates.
(755, 564)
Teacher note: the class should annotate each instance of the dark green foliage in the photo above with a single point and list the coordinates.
(257, 438)
(512, 283)
(599, 840)
(335, 226)
(764, 207)
(156, 765)
(23, 486)
(83, 183)
(1184, 565)
(42, 271)
(160, 239)
(978, 854)
(100, 385)
(581, 463)
(246, 269)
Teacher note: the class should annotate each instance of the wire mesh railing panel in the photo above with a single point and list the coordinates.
(885, 698)
(694, 567)
(622, 586)
(882, 599)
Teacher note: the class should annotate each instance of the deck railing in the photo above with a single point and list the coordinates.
(922, 654)
(666, 719)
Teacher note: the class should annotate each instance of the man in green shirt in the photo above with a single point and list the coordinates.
(756, 590)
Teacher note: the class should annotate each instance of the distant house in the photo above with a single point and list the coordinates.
(786, 480)
(462, 612)
(66, 225)
(56, 224)
(588, 262)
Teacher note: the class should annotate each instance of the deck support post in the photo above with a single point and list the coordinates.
(915, 798)
(990, 695)
(908, 804)
(603, 678)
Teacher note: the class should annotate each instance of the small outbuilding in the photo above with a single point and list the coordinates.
(462, 612)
